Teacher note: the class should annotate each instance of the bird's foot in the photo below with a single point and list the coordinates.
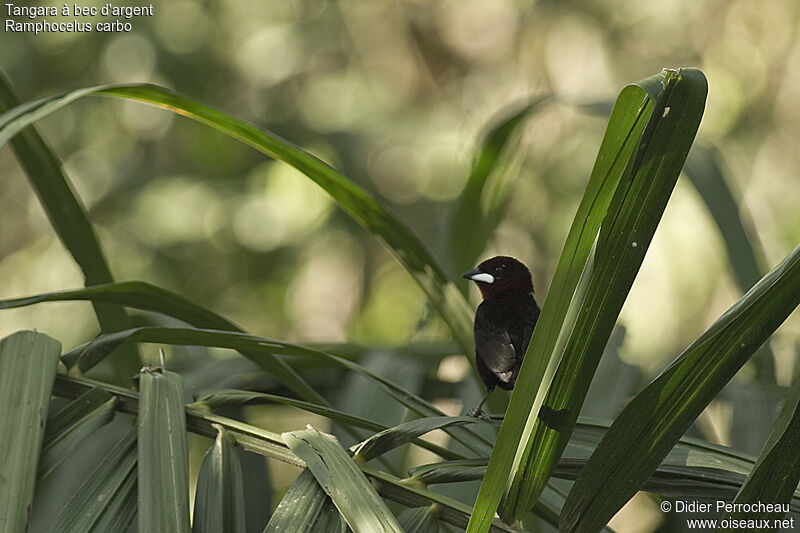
(478, 413)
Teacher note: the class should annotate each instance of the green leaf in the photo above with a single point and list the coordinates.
(632, 112)
(400, 241)
(147, 297)
(625, 235)
(28, 362)
(776, 474)
(227, 397)
(351, 492)
(69, 220)
(268, 444)
(391, 438)
(216, 398)
(254, 348)
(654, 420)
(163, 456)
(219, 499)
(107, 496)
(68, 427)
(692, 469)
(482, 203)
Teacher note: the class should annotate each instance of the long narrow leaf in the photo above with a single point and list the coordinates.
(631, 112)
(351, 492)
(268, 444)
(163, 456)
(254, 347)
(28, 362)
(393, 437)
(651, 424)
(405, 246)
(625, 235)
(301, 507)
(70, 222)
(147, 297)
(397, 435)
(219, 499)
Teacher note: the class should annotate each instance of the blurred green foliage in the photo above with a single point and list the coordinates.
(394, 94)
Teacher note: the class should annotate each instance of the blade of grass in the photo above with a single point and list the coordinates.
(219, 499)
(70, 222)
(624, 238)
(163, 456)
(400, 241)
(391, 438)
(28, 362)
(351, 492)
(650, 425)
(631, 112)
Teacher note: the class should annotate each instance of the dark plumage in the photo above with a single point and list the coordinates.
(504, 321)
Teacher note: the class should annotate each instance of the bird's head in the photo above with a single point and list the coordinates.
(500, 274)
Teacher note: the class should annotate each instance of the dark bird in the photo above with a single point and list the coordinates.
(504, 322)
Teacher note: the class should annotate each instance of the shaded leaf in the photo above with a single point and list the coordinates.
(163, 456)
(107, 497)
(351, 492)
(219, 498)
(651, 424)
(28, 362)
(68, 427)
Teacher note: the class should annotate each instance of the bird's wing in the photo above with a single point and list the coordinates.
(494, 347)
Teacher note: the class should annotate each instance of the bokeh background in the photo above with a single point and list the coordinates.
(396, 95)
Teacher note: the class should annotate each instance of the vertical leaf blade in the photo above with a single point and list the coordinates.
(628, 118)
(625, 235)
(163, 456)
(219, 500)
(28, 362)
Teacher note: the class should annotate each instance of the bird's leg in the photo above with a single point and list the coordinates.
(478, 412)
